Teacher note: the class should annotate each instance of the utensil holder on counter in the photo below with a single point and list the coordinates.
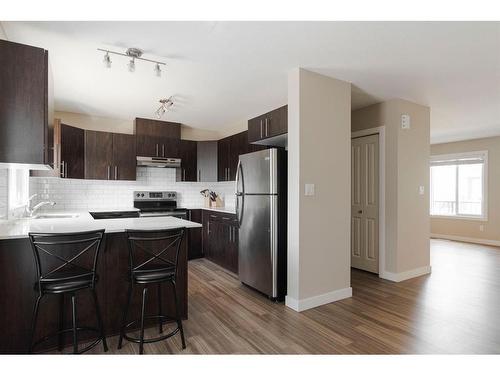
(213, 204)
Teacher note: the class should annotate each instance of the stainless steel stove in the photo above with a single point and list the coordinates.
(158, 203)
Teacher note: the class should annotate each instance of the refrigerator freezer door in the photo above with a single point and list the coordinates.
(258, 242)
(258, 173)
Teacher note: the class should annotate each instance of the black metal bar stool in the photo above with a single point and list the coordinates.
(153, 259)
(65, 264)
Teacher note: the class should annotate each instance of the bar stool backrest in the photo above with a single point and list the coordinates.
(66, 256)
(154, 250)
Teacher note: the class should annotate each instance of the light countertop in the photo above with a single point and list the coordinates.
(10, 229)
(226, 210)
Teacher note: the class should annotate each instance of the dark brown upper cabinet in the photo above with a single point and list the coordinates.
(109, 156)
(71, 146)
(269, 125)
(26, 110)
(229, 150)
(124, 157)
(188, 155)
(157, 138)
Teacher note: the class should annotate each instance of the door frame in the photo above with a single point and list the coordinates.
(381, 192)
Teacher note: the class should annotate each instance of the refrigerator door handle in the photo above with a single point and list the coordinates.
(239, 175)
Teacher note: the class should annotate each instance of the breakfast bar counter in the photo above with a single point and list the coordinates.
(18, 276)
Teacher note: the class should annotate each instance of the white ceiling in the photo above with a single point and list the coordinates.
(223, 72)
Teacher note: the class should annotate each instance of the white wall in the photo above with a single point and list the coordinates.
(407, 152)
(83, 195)
(319, 152)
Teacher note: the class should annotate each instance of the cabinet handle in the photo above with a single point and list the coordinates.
(199, 175)
(267, 123)
(109, 171)
(261, 128)
(183, 175)
(157, 151)
(66, 170)
(163, 150)
(208, 227)
(62, 169)
(116, 172)
(230, 235)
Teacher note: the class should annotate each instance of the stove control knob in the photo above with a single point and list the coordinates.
(138, 195)
(173, 195)
(142, 194)
(169, 195)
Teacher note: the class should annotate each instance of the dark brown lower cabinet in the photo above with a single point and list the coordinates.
(195, 236)
(17, 294)
(220, 239)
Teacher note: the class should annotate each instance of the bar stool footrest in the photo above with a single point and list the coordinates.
(70, 330)
(154, 339)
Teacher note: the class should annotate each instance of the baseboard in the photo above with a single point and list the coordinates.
(322, 299)
(401, 276)
(480, 241)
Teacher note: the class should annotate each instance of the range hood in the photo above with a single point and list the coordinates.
(144, 161)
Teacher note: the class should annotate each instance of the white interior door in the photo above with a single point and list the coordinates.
(365, 203)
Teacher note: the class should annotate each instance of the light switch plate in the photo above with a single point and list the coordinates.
(405, 121)
(309, 190)
(421, 190)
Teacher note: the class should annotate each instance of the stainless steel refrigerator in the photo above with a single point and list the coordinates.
(261, 205)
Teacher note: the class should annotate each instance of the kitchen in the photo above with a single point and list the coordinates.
(82, 180)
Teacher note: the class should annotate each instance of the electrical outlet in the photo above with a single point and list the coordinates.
(421, 190)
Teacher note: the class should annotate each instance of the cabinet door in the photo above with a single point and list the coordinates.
(206, 161)
(239, 145)
(255, 129)
(72, 146)
(23, 104)
(205, 237)
(188, 157)
(124, 159)
(277, 122)
(98, 155)
(195, 249)
(146, 138)
(223, 159)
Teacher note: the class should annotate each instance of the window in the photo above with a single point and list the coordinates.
(458, 185)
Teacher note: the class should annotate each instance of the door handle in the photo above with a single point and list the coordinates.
(116, 172)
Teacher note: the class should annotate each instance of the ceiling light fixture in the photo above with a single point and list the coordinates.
(158, 70)
(166, 104)
(135, 54)
(107, 60)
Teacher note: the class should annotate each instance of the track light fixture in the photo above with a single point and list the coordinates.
(134, 54)
(166, 103)
(107, 60)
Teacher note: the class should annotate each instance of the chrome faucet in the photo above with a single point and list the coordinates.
(31, 211)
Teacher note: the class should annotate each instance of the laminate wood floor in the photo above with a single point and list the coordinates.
(456, 309)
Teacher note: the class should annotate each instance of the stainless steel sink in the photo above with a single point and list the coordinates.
(56, 216)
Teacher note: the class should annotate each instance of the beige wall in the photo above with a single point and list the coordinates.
(319, 116)
(470, 228)
(407, 168)
(2, 33)
(127, 126)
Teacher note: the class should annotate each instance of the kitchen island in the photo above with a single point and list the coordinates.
(18, 276)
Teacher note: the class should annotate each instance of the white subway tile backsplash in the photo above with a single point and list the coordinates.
(77, 195)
